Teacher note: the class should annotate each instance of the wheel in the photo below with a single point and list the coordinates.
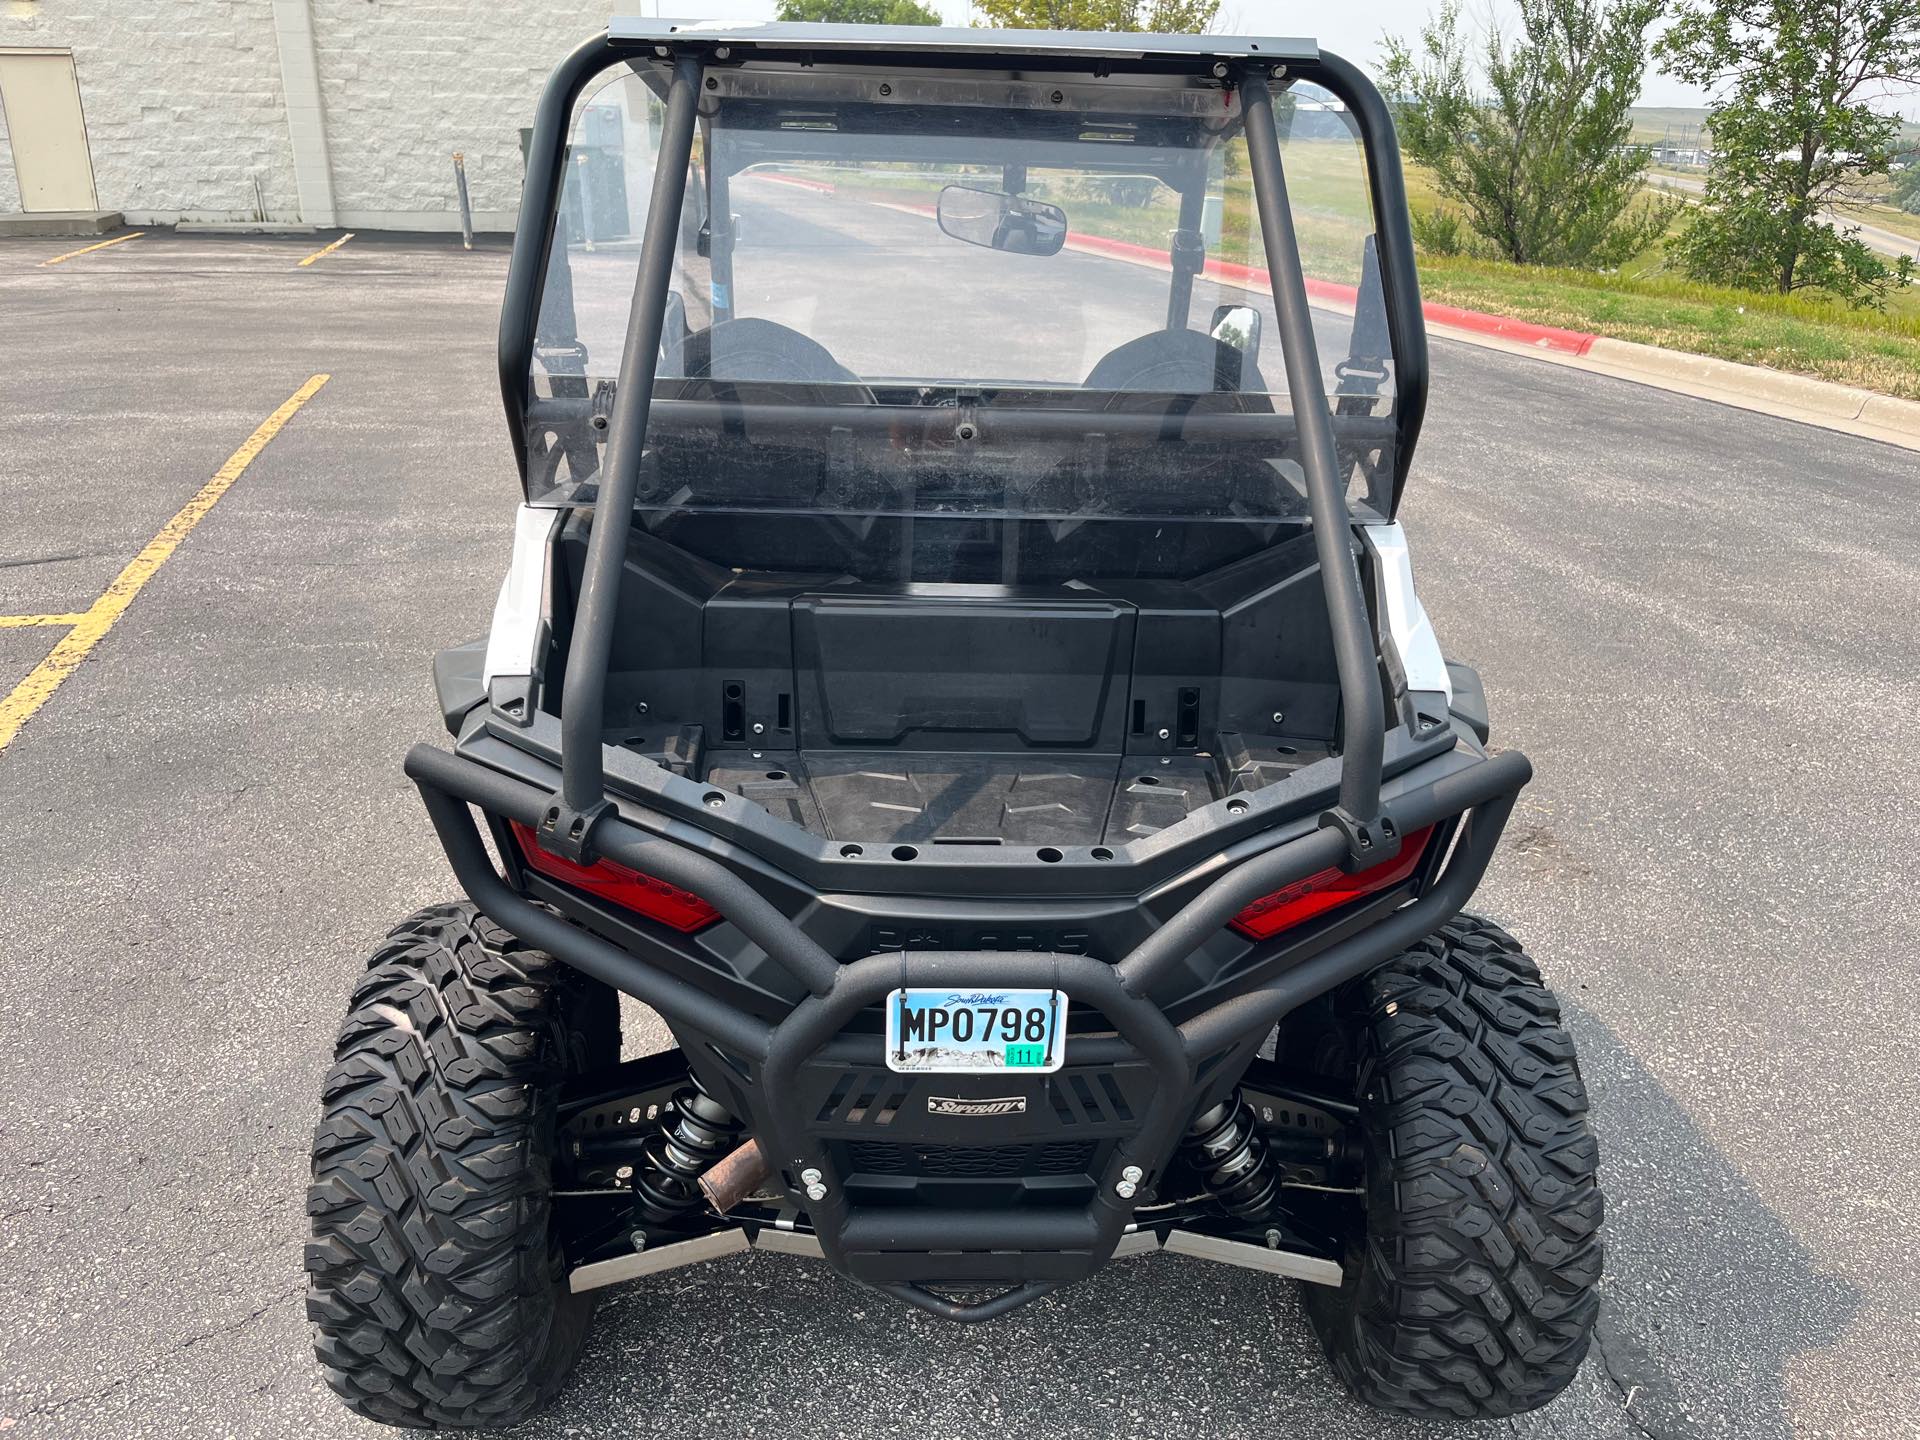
(436, 1284)
(1471, 1293)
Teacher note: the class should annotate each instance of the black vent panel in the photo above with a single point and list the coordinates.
(1054, 1157)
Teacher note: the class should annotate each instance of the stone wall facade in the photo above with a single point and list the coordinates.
(191, 103)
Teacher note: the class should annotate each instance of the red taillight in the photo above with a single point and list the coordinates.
(1328, 890)
(629, 889)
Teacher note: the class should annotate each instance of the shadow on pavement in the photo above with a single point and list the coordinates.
(1708, 1296)
(1709, 1299)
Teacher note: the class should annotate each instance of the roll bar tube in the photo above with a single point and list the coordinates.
(1363, 740)
(582, 774)
(1483, 793)
(568, 825)
(1399, 279)
(533, 232)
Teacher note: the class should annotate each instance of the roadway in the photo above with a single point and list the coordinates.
(1874, 237)
(1696, 621)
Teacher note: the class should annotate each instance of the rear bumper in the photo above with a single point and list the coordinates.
(772, 1071)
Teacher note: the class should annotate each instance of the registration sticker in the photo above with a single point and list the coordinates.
(975, 1032)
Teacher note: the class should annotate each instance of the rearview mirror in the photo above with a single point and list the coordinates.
(1238, 326)
(1001, 221)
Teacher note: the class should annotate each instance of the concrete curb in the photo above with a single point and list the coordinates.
(59, 224)
(1799, 398)
(244, 227)
(1774, 387)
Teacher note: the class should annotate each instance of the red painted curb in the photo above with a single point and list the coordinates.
(1523, 332)
(1253, 277)
(824, 187)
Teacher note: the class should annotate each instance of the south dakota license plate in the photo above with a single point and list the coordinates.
(975, 1032)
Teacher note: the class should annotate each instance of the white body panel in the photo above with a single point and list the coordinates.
(1406, 619)
(514, 642)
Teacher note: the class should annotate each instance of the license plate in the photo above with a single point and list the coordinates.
(975, 1032)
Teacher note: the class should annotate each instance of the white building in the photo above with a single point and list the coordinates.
(323, 112)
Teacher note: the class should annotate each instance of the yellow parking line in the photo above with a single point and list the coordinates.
(89, 249)
(326, 250)
(34, 691)
(20, 622)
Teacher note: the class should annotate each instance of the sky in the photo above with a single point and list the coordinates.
(1354, 30)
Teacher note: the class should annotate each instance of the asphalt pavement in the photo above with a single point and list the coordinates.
(1696, 621)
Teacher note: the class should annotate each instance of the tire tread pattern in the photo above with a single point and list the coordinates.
(435, 1287)
(1473, 1295)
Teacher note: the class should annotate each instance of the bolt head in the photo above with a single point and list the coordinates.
(1273, 1239)
(1125, 1189)
(1279, 717)
(1133, 1173)
(759, 727)
(810, 1176)
(816, 1192)
(1165, 734)
(638, 1239)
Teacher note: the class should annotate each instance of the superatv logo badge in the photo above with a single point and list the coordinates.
(1011, 1105)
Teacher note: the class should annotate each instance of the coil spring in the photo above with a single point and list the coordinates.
(1226, 1148)
(695, 1133)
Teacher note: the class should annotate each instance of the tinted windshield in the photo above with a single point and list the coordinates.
(917, 283)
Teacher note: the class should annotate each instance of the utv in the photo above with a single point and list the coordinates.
(973, 690)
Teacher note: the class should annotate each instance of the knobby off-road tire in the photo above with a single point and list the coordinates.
(436, 1287)
(1472, 1295)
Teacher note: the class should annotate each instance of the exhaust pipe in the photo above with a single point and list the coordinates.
(734, 1178)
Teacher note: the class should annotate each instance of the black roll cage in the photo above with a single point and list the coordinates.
(733, 855)
(691, 53)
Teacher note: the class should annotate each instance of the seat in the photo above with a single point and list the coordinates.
(1175, 362)
(764, 351)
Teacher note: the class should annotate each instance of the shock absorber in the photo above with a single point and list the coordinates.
(1225, 1147)
(696, 1132)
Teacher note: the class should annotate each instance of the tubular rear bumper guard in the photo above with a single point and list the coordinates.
(1054, 1245)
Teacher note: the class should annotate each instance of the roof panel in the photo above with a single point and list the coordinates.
(790, 35)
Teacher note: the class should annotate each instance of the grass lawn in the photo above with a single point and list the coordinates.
(1876, 350)
(1646, 302)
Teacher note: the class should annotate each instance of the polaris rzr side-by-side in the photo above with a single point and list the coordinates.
(960, 668)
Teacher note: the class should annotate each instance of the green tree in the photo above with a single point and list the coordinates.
(858, 12)
(1906, 187)
(1529, 136)
(1793, 135)
(1157, 17)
